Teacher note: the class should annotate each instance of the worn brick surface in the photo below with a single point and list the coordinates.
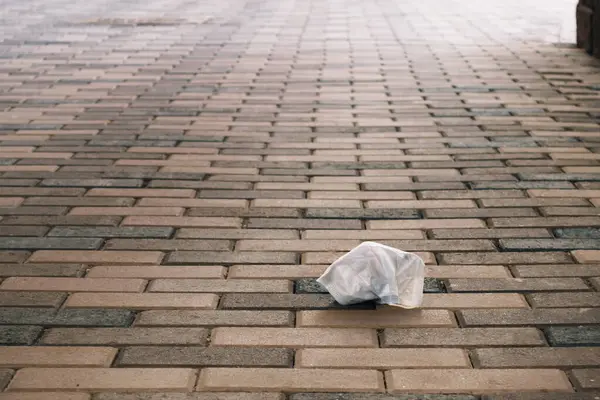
(20, 357)
(174, 176)
(103, 379)
(475, 380)
(205, 356)
(290, 380)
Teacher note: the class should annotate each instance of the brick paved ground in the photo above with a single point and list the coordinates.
(175, 174)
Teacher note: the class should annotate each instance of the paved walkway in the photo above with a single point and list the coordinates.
(175, 173)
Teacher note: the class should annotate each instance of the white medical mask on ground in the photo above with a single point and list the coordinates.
(373, 271)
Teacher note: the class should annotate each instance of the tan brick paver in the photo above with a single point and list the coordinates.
(174, 176)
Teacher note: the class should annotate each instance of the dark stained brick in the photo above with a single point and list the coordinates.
(362, 213)
(540, 357)
(462, 337)
(24, 210)
(15, 334)
(50, 243)
(516, 285)
(284, 301)
(505, 258)
(548, 244)
(244, 212)
(573, 335)
(93, 182)
(41, 269)
(126, 336)
(31, 299)
(15, 230)
(535, 317)
(112, 232)
(251, 194)
(489, 233)
(5, 377)
(68, 317)
(309, 285)
(480, 213)
(291, 223)
(14, 256)
(205, 356)
(580, 233)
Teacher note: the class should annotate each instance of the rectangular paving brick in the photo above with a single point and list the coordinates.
(104, 379)
(587, 256)
(462, 337)
(552, 357)
(283, 301)
(220, 285)
(110, 231)
(41, 269)
(215, 318)
(63, 220)
(535, 317)
(189, 203)
(169, 211)
(45, 396)
(587, 379)
(296, 245)
(305, 203)
(275, 271)
(195, 233)
(476, 381)
(505, 258)
(489, 233)
(105, 192)
(153, 271)
(426, 224)
(363, 234)
(31, 299)
(125, 336)
(466, 271)
(191, 356)
(191, 396)
(472, 300)
(206, 222)
(52, 284)
(558, 300)
(544, 222)
(72, 317)
(97, 257)
(289, 380)
(15, 334)
(50, 243)
(382, 358)
(142, 301)
(221, 257)
(294, 337)
(516, 285)
(421, 204)
(291, 223)
(21, 357)
(382, 318)
(556, 270)
(167, 244)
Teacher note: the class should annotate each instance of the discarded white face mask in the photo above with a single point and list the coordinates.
(373, 271)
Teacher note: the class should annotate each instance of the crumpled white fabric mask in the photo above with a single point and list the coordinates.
(373, 271)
